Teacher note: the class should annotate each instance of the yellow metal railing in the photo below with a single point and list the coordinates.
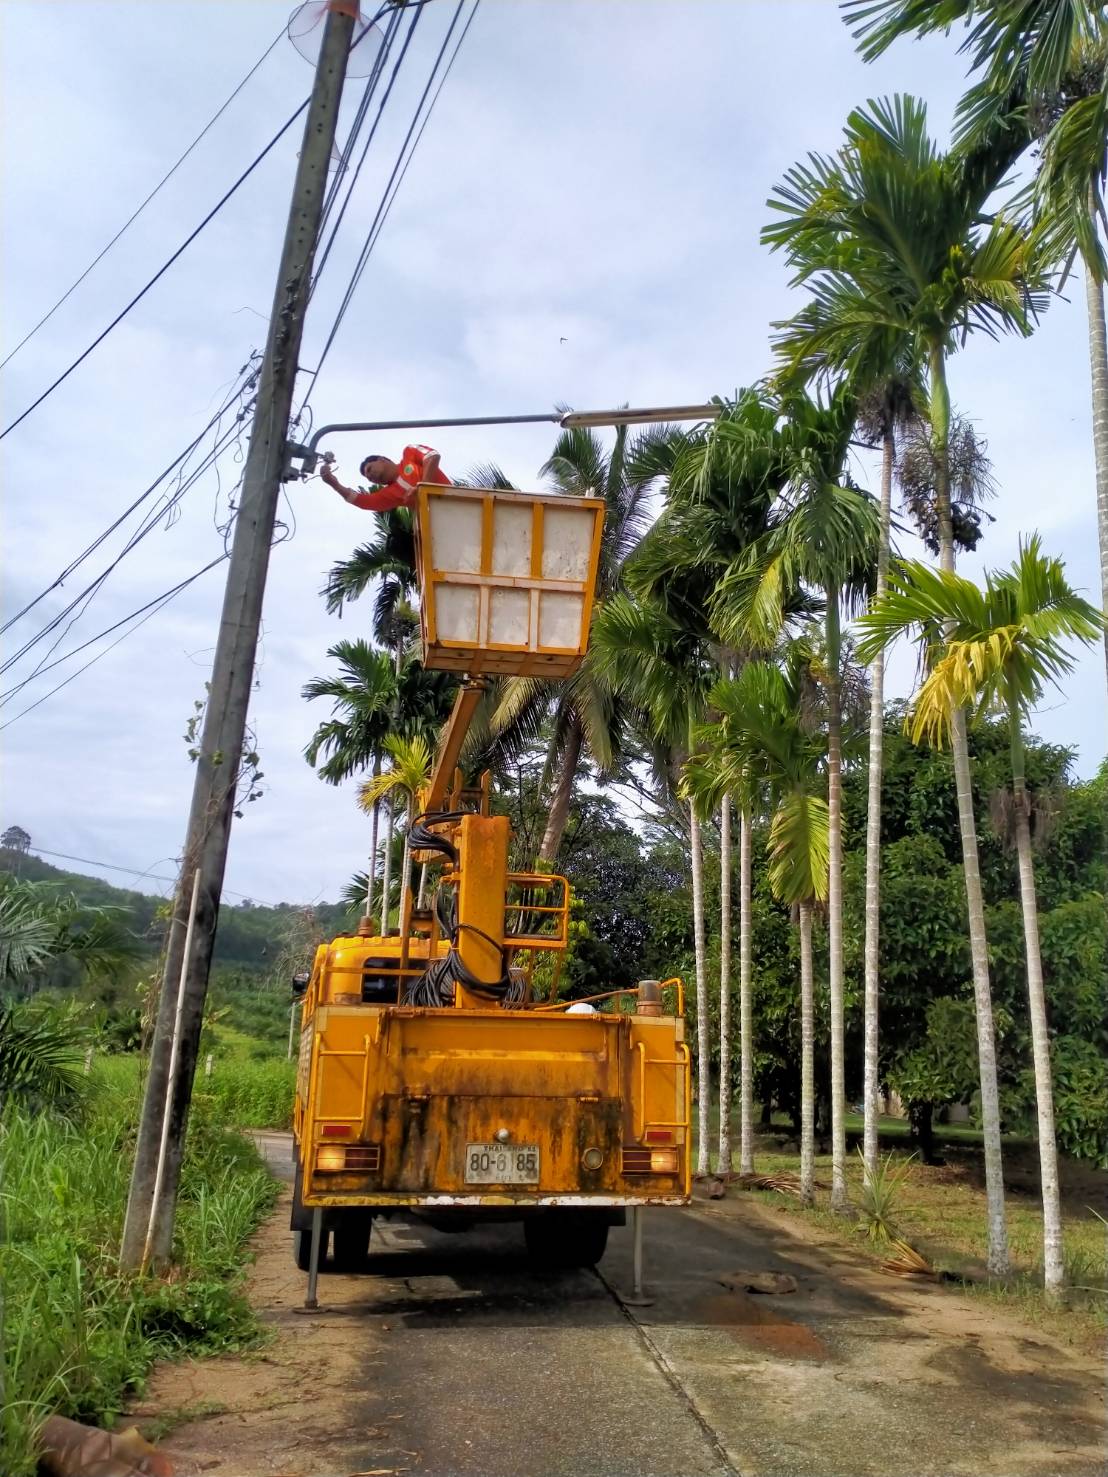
(325, 1051)
(682, 1060)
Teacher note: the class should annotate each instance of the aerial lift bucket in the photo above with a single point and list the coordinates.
(507, 580)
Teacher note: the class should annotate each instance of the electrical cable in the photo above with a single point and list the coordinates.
(153, 487)
(326, 251)
(149, 523)
(138, 872)
(186, 243)
(119, 317)
(86, 597)
(399, 170)
(135, 215)
(385, 203)
(6, 697)
(158, 604)
(335, 188)
(167, 513)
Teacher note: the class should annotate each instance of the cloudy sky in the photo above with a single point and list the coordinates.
(579, 225)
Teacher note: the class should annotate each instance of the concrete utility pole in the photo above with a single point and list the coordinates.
(217, 768)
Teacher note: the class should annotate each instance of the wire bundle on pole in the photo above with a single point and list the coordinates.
(168, 508)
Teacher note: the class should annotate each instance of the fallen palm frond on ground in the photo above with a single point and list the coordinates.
(784, 1182)
(908, 1262)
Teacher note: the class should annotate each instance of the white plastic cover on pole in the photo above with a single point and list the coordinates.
(173, 1054)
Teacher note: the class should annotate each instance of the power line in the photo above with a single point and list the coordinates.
(138, 872)
(92, 640)
(153, 487)
(135, 215)
(119, 317)
(159, 603)
(359, 119)
(396, 178)
(152, 521)
(394, 25)
(148, 525)
(90, 591)
(391, 4)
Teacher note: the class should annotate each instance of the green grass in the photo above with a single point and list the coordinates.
(241, 1093)
(78, 1336)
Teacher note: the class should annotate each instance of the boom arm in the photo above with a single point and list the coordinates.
(453, 737)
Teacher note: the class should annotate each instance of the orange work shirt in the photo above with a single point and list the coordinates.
(401, 493)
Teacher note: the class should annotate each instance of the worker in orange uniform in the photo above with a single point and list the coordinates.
(396, 482)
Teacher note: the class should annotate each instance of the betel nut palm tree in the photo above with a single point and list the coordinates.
(908, 232)
(720, 489)
(1040, 70)
(822, 537)
(989, 650)
(664, 671)
(849, 343)
(760, 740)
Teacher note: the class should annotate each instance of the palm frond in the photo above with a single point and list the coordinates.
(489, 474)
(39, 1058)
(29, 933)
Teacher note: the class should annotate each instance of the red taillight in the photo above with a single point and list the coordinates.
(336, 1131)
(658, 1136)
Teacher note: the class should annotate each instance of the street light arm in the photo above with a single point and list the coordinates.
(309, 455)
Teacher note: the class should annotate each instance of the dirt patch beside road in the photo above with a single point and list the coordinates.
(295, 1406)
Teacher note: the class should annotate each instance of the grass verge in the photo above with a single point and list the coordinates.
(77, 1336)
(245, 1093)
(940, 1210)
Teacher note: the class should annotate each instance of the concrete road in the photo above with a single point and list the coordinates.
(451, 1355)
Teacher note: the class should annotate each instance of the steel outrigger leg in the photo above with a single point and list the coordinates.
(638, 1298)
(312, 1301)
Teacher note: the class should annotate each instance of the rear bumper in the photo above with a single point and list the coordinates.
(498, 1200)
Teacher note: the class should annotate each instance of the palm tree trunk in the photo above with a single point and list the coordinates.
(386, 879)
(724, 1167)
(1053, 1258)
(998, 1259)
(872, 991)
(807, 1061)
(703, 1023)
(372, 880)
(405, 860)
(835, 904)
(558, 814)
(1098, 359)
(386, 870)
(746, 1026)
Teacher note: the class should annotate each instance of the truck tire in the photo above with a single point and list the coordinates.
(302, 1248)
(559, 1239)
(351, 1233)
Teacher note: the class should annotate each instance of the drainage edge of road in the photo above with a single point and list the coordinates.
(670, 1375)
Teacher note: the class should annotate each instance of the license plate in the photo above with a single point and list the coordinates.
(502, 1164)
